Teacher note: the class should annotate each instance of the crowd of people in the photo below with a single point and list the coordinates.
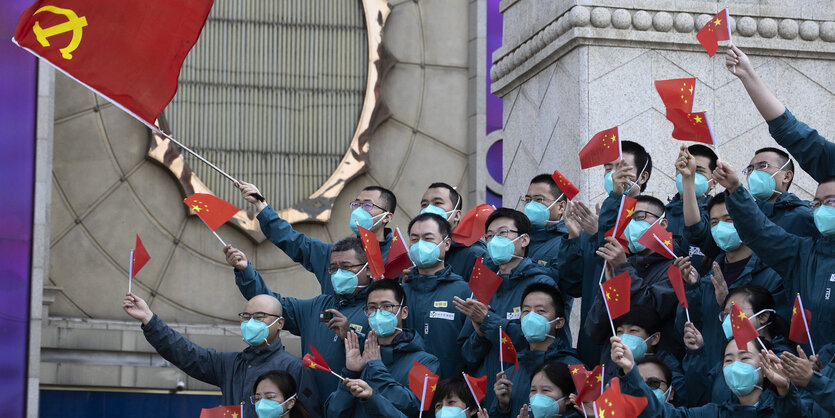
(754, 248)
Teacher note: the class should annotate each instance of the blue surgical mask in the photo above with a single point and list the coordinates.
(725, 236)
(344, 281)
(538, 214)
(501, 249)
(268, 408)
(543, 406)
(425, 254)
(761, 184)
(741, 377)
(255, 332)
(661, 395)
(535, 327)
(451, 412)
(634, 230)
(437, 211)
(637, 345)
(608, 183)
(825, 220)
(727, 328)
(700, 182)
(383, 322)
(364, 219)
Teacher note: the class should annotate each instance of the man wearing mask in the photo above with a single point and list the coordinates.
(234, 372)
(372, 209)
(430, 290)
(324, 319)
(630, 173)
(444, 201)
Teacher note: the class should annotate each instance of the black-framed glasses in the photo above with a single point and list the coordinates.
(655, 383)
(830, 201)
(388, 307)
(366, 206)
(641, 215)
(258, 316)
(501, 233)
(349, 267)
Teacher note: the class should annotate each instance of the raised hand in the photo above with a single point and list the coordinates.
(248, 191)
(339, 323)
(726, 175)
(620, 177)
(693, 339)
(235, 257)
(354, 360)
(621, 355)
(688, 273)
(773, 371)
(612, 252)
(738, 63)
(585, 408)
(720, 287)
(572, 223)
(372, 348)
(503, 389)
(798, 369)
(359, 388)
(137, 308)
(686, 163)
(586, 218)
(523, 412)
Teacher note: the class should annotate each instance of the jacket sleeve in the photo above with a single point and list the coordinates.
(699, 235)
(204, 364)
(307, 388)
(608, 213)
(401, 397)
(791, 405)
(813, 152)
(249, 282)
(697, 381)
(340, 403)
(633, 384)
(311, 253)
(473, 348)
(822, 391)
(378, 406)
(570, 259)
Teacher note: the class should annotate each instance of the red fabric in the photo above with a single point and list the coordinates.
(373, 253)
(397, 259)
(484, 282)
(602, 148)
(315, 361)
(129, 51)
(627, 209)
(715, 30)
(578, 375)
(140, 257)
(798, 333)
(690, 126)
(677, 93)
(620, 238)
(615, 404)
(674, 273)
(590, 389)
(478, 385)
(508, 350)
(568, 188)
(472, 226)
(416, 377)
(659, 240)
(744, 332)
(213, 210)
(230, 411)
(618, 294)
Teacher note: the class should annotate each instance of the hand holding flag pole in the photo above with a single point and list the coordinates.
(803, 314)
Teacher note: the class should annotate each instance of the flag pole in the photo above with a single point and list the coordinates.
(665, 246)
(761, 343)
(130, 276)
(805, 324)
(423, 396)
(477, 403)
(213, 231)
(608, 312)
(602, 373)
(602, 272)
(687, 311)
(501, 347)
(334, 373)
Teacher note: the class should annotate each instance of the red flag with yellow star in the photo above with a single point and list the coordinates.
(627, 209)
(507, 352)
(213, 210)
(315, 361)
(478, 386)
(397, 259)
(228, 411)
(592, 386)
(799, 331)
(484, 282)
(659, 240)
(602, 148)
(715, 30)
(744, 332)
(618, 294)
(471, 227)
(579, 373)
(677, 93)
(373, 253)
(615, 404)
(691, 126)
(422, 380)
(567, 188)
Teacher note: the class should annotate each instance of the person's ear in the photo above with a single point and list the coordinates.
(644, 178)
(289, 405)
(404, 312)
(559, 323)
(280, 324)
(446, 243)
(456, 216)
(654, 339)
(524, 241)
(787, 178)
(561, 205)
(663, 223)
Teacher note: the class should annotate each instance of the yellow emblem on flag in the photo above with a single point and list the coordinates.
(73, 23)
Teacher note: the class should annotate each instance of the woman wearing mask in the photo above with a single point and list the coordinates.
(275, 396)
(453, 399)
(550, 387)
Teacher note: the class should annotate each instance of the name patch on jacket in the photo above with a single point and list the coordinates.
(516, 314)
(357, 328)
(542, 262)
(441, 304)
(450, 316)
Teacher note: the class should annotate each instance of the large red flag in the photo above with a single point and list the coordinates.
(618, 294)
(715, 30)
(568, 188)
(397, 259)
(592, 387)
(128, 51)
(743, 331)
(315, 361)
(674, 273)
(484, 282)
(471, 227)
(230, 411)
(615, 404)
(691, 126)
(140, 257)
(213, 210)
(421, 380)
(659, 240)
(372, 253)
(602, 148)
(677, 93)
(507, 351)
(799, 331)
(578, 375)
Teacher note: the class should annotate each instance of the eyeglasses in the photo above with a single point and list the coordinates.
(267, 395)
(760, 166)
(367, 206)
(370, 310)
(641, 215)
(655, 383)
(502, 233)
(830, 201)
(350, 267)
(258, 316)
(537, 199)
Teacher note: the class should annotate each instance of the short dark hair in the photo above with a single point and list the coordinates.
(387, 198)
(557, 372)
(784, 158)
(642, 316)
(552, 185)
(830, 179)
(350, 244)
(652, 201)
(556, 297)
(454, 386)
(387, 284)
(760, 298)
(287, 385)
(642, 159)
(443, 226)
(699, 150)
(454, 196)
(520, 221)
(718, 199)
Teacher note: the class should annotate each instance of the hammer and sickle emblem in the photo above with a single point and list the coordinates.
(73, 23)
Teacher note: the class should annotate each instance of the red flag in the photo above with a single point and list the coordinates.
(715, 30)
(397, 259)
(484, 282)
(799, 331)
(677, 93)
(602, 148)
(614, 404)
(417, 376)
(213, 210)
(743, 331)
(659, 240)
(315, 361)
(578, 375)
(230, 411)
(691, 126)
(620, 238)
(618, 294)
(372, 252)
(591, 388)
(477, 385)
(674, 273)
(129, 52)
(140, 257)
(627, 208)
(508, 351)
(568, 188)
(472, 226)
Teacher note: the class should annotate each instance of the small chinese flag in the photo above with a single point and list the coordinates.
(620, 238)
(677, 93)
(397, 259)
(484, 282)
(472, 226)
(127, 51)
(743, 331)
(618, 294)
(140, 257)
(230, 411)
(674, 273)
(691, 126)
(315, 361)
(422, 380)
(213, 210)
(799, 331)
(717, 29)
(659, 240)
(604, 147)
(578, 375)
(614, 404)
(372, 252)
(508, 351)
(593, 385)
(627, 209)
(477, 385)
(567, 188)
